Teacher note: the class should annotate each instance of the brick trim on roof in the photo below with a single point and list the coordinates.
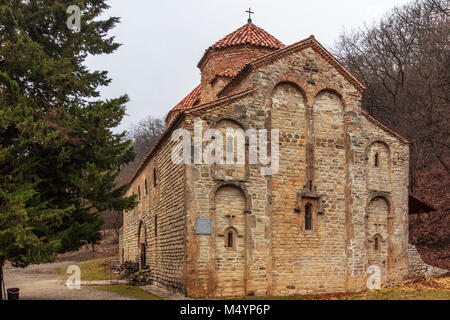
(310, 42)
(219, 101)
(189, 101)
(226, 74)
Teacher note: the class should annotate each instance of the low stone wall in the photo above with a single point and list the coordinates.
(419, 269)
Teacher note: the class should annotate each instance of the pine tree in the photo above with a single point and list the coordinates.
(58, 155)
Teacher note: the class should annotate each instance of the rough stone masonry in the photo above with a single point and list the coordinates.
(337, 205)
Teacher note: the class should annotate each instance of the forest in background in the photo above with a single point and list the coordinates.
(404, 61)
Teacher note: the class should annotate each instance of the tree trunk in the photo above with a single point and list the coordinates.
(2, 285)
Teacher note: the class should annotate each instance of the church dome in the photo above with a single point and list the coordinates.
(248, 34)
(230, 54)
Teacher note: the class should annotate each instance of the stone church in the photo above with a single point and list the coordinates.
(337, 204)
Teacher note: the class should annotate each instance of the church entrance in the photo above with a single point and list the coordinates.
(142, 246)
(143, 255)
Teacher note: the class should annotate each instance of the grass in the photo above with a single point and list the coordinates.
(100, 269)
(427, 289)
(92, 270)
(130, 292)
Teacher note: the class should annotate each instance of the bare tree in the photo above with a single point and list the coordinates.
(404, 61)
(144, 136)
(438, 5)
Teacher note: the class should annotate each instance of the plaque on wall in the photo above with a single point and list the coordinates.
(202, 226)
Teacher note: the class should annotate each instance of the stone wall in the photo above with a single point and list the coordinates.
(419, 269)
(160, 215)
(206, 273)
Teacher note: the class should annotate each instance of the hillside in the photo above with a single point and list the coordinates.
(431, 232)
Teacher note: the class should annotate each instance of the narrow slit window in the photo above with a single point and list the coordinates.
(376, 244)
(139, 192)
(155, 178)
(376, 160)
(146, 187)
(230, 148)
(308, 217)
(230, 239)
(156, 226)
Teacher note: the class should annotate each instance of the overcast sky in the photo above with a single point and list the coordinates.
(164, 40)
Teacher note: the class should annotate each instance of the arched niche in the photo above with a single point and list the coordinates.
(328, 113)
(378, 166)
(288, 94)
(288, 114)
(328, 143)
(239, 186)
(230, 262)
(235, 151)
(378, 232)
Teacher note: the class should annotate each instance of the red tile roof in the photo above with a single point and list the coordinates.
(249, 34)
(193, 98)
(190, 100)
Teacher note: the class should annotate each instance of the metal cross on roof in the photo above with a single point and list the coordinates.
(249, 11)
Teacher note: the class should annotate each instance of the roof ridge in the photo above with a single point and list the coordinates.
(310, 41)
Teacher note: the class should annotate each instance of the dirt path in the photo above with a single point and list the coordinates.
(37, 282)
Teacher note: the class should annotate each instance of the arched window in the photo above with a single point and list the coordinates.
(230, 238)
(376, 160)
(230, 242)
(230, 144)
(154, 177)
(308, 217)
(146, 187)
(377, 242)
